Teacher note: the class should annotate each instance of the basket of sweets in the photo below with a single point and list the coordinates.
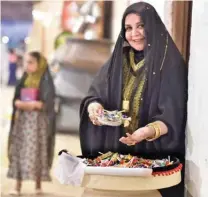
(111, 159)
(119, 172)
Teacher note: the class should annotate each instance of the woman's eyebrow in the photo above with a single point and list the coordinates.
(138, 23)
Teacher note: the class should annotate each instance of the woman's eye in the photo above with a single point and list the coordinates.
(128, 28)
(141, 26)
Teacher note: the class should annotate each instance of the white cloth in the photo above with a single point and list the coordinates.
(69, 170)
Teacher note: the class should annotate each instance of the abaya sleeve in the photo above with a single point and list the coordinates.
(172, 106)
(47, 96)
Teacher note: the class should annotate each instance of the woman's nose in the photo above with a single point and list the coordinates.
(135, 32)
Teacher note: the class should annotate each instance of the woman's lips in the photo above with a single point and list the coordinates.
(138, 41)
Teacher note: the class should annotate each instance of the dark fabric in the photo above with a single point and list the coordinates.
(138, 56)
(47, 96)
(12, 74)
(164, 98)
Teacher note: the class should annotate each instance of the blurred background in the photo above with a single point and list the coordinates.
(77, 38)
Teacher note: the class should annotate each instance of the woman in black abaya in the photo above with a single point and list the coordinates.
(147, 77)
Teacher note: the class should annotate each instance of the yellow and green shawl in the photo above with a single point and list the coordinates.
(33, 79)
(135, 97)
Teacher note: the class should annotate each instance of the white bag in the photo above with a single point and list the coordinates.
(69, 170)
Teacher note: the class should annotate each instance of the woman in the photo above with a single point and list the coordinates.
(147, 77)
(31, 139)
(12, 68)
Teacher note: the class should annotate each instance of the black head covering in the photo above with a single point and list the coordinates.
(164, 98)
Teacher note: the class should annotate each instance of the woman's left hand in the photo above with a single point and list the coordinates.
(38, 105)
(138, 136)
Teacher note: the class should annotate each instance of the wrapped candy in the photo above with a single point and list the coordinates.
(114, 118)
(126, 161)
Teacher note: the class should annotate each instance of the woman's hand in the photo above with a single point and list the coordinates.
(94, 110)
(138, 136)
(29, 105)
(144, 133)
(38, 105)
(18, 104)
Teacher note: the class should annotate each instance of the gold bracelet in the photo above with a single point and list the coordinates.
(157, 129)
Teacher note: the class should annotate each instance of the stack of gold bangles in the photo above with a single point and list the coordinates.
(157, 129)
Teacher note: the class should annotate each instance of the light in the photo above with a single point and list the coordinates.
(38, 15)
(45, 17)
(57, 13)
(5, 39)
(90, 19)
(89, 35)
(47, 20)
(27, 40)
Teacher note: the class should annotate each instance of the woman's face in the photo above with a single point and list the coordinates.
(134, 32)
(30, 64)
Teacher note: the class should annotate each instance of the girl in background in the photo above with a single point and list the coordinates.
(32, 134)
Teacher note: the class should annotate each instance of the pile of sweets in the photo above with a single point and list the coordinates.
(111, 159)
(113, 116)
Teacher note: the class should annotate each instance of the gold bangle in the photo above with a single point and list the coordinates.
(157, 129)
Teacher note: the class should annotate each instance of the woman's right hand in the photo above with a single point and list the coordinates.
(94, 110)
(18, 104)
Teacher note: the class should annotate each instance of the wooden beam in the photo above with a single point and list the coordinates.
(181, 16)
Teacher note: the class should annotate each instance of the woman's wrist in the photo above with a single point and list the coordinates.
(150, 133)
(163, 126)
(156, 129)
